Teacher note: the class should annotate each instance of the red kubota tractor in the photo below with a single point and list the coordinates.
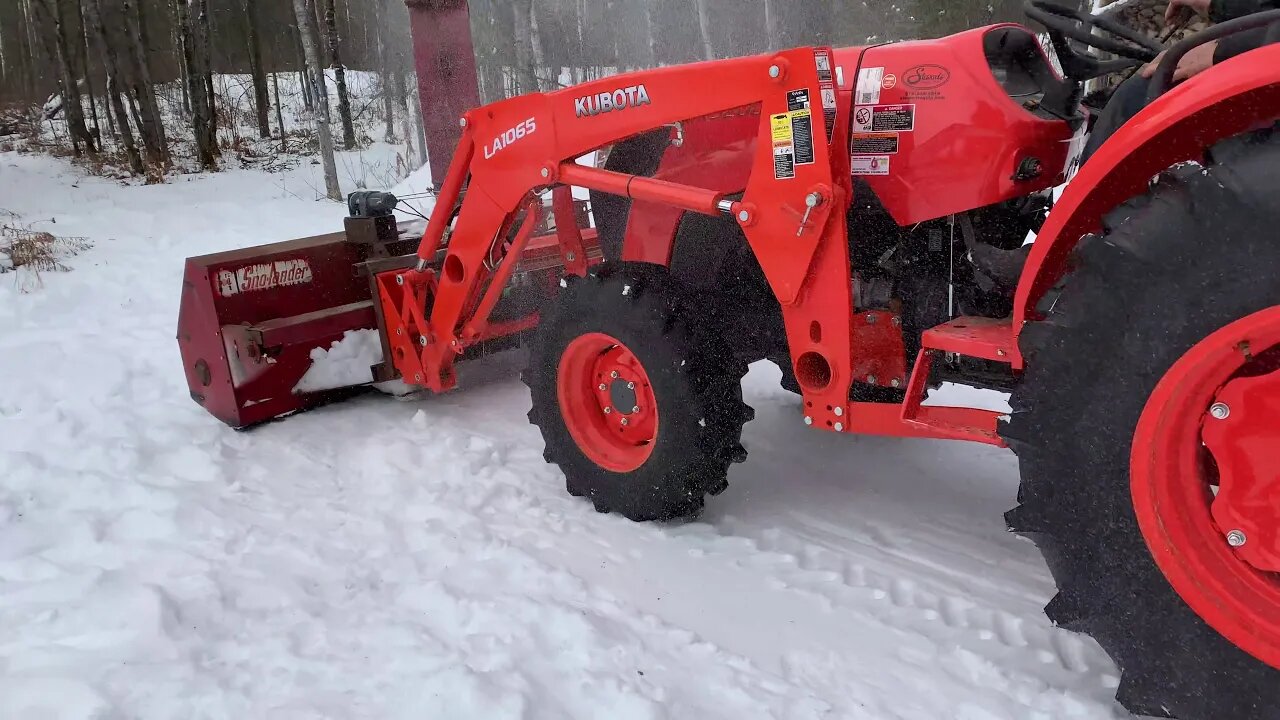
(858, 216)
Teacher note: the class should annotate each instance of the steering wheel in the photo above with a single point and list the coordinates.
(1063, 22)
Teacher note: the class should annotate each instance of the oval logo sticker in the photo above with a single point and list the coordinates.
(927, 76)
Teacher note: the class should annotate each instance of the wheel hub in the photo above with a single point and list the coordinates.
(607, 402)
(1205, 470)
(1242, 433)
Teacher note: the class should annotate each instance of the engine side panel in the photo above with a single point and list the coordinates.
(934, 132)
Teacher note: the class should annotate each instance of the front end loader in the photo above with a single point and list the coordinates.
(861, 217)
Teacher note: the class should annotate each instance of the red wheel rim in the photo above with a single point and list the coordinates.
(1206, 462)
(607, 402)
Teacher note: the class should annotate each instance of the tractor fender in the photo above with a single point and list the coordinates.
(1236, 96)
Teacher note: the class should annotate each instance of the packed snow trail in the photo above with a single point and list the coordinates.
(415, 557)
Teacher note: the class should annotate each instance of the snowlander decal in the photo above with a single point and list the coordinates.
(526, 128)
(263, 276)
(620, 99)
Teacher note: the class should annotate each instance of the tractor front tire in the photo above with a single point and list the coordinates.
(1194, 254)
(638, 403)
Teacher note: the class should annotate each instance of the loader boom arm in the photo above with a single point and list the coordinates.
(514, 150)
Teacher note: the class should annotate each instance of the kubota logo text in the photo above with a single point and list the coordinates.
(620, 99)
(263, 276)
(505, 139)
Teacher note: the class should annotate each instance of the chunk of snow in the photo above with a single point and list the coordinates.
(347, 362)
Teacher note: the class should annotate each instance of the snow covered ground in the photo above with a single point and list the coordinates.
(415, 558)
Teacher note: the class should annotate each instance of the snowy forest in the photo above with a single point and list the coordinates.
(146, 86)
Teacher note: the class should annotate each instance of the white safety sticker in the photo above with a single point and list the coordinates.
(884, 118)
(869, 80)
(873, 165)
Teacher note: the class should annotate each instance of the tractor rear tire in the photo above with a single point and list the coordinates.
(1194, 254)
(681, 376)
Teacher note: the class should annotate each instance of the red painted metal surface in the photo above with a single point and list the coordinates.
(1173, 473)
(968, 135)
(444, 57)
(879, 357)
(595, 372)
(1230, 98)
(250, 318)
(1246, 448)
(979, 337)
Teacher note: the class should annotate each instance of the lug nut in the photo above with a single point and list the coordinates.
(631, 386)
(607, 410)
(635, 409)
(614, 374)
(1220, 411)
(838, 411)
(625, 422)
(603, 387)
(839, 427)
(895, 382)
(871, 380)
(1236, 538)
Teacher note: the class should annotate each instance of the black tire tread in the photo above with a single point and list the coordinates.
(1195, 252)
(697, 379)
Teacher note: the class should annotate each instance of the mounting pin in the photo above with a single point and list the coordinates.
(744, 216)
(774, 71)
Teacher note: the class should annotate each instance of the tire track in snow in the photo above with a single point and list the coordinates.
(816, 566)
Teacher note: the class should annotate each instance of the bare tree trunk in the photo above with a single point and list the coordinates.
(262, 99)
(304, 11)
(526, 74)
(107, 53)
(340, 76)
(197, 90)
(304, 79)
(415, 111)
(204, 46)
(52, 18)
(284, 141)
(152, 126)
(704, 28)
(387, 67)
(771, 24)
(88, 75)
(535, 46)
(398, 87)
(176, 37)
(650, 34)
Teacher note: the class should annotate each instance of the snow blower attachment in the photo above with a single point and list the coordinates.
(254, 322)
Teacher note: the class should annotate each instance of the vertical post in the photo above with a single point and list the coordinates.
(448, 85)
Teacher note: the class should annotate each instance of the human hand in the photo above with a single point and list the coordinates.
(1201, 7)
(1192, 64)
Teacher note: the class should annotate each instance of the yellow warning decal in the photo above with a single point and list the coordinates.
(781, 129)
